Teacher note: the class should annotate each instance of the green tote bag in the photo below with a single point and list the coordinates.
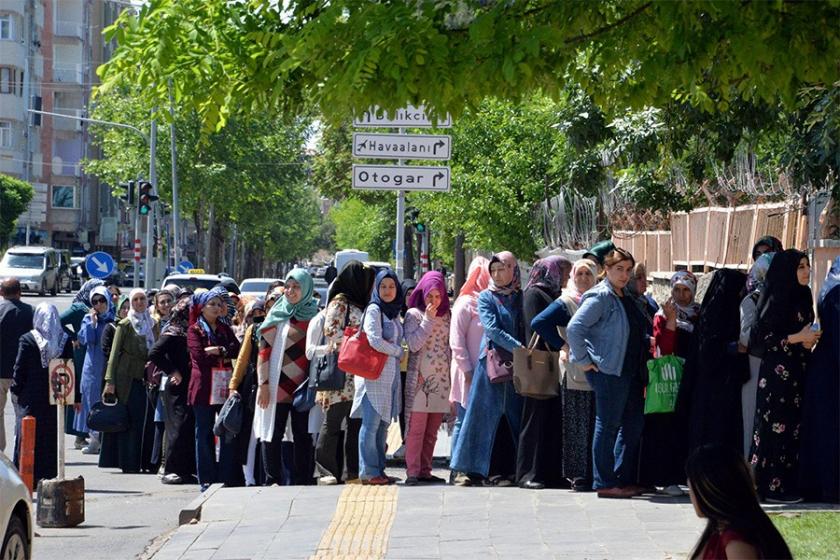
(664, 376)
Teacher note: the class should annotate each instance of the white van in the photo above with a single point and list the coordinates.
(347, 255)
(35, 267)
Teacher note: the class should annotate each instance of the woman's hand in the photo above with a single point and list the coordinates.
(431, 312)
(564, 356)
(262, 396)
(109, 389)
(590, 367)
(213, 350)
(806, 337)
(175, 378)
(93, 317)
(669, 308)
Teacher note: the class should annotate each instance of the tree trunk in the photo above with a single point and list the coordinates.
(409, 252)
(460, 263)
(198, 218)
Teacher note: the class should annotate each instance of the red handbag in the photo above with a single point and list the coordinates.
(357, 356)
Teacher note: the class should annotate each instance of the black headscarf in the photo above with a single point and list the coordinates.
(355, 282)
(720, 310)
(407, 285)
(768, 241)
(179, 319)
(785, 305)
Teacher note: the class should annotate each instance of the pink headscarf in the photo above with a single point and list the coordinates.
(509, 260)
(478, 277)
(571, 290)
(432, 280)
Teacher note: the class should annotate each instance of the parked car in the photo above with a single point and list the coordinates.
(190, 281)
(65, 271)
(15, 513)
(256, 286)
(127, 278)
(36, 268)
(321, 289)
(80, 274)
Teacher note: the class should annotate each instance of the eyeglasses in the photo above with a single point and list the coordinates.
(97, 301)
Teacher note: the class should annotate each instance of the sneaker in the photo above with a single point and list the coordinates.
(327, 481)
(784, 499)
(616, 493)
(90, 449)
(80, 442)
(673, 490)
(462, 479)
(432, 479)
(171, 478)
(411, 481)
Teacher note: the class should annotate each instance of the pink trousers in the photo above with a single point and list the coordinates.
(420, 443)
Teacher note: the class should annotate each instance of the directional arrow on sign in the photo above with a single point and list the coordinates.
(402, 146)
(100, 266)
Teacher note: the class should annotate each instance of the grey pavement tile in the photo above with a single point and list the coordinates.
(205, 554)
(180, 541)
(215, 534)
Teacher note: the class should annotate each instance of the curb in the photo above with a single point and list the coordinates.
(193, 510)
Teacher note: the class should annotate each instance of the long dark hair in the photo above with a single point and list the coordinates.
(723, 489)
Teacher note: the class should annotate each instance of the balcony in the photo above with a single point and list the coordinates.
(11, 108)
(69, 29)
(12, 53)
(68, 73)
(73, 124)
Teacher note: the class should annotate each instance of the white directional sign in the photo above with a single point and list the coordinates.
(402, 146)
(409, 116)
(401, 177)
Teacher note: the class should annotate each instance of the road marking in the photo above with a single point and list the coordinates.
(361, 525)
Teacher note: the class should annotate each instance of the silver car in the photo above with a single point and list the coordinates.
(37, 268)
(15, 514)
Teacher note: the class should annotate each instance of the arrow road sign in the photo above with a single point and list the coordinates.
(185, 266)
(401, 178)
(402, 146)
(99, 264)
(408, 116)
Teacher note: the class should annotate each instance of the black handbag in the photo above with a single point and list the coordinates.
(229, 421)
(304, 396)
(324, 373)
(108, 417)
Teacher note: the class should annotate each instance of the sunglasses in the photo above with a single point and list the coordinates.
(97, 301)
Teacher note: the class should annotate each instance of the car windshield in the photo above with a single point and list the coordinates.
(254, 286)
(22, 260)
(193, 284)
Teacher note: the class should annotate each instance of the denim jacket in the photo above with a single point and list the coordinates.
(598, 332)
(502, 320)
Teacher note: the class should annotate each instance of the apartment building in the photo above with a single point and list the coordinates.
(49, 52)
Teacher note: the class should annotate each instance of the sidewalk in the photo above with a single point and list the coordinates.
(432, 522)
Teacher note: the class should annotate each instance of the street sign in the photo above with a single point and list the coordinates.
(402, 146)
(62, 381)
(99, 264)
(409, 116)
(185, 266)
(401, 177)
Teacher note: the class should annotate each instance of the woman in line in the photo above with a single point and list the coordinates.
(576, 393)
(171, 356)
(539, 460)
(135, 335)
(663, 449)
(486, 447)
(377, 401)
(819, 455)
(721, 489)
(244, 383)
(163, 301)
(90, 336)
(337, 451)
(465, 335)
(755, 285)
(767, 244)
(638, 286)
(408, 286)
(211, 345)
(248, 307)
(608, 339)
(121, 307)
(783, 336)
(427, 382)
(31, 386)
(282, 366)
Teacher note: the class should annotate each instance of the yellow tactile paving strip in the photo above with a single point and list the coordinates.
(361, 525)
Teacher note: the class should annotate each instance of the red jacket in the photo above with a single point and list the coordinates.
(201, 377)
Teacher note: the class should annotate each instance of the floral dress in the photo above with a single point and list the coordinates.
(428, 382)
(775, 448)
(335, 317)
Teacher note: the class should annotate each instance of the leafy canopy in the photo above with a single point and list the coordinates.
(15, 196)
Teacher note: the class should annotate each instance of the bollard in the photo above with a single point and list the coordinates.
(27, 452)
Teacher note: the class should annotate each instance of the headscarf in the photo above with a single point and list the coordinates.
(201, 298)
(686, 314)
(47, 331)
(599, 251)
(408, 285)
(432, 280)
(303, 310)
(571, 289)
(179, 319)
(354, 282)
(509, 260)
(110, 314)
(392, 309)
(549, 274)
(83, 295)
(478, 277)
(768, 241)
(120, 302)
(758, 272)
(832, 279)
(142, 323)
(785, 305)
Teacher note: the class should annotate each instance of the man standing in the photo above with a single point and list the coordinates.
(15, 321)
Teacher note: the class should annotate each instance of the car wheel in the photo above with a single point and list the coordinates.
(15, 546)
(41, 291)
(54, 290)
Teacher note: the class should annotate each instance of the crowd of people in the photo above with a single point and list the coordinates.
(759, 376)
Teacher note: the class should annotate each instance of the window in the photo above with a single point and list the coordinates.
(5, 134)
(7, 79)
(6, 26)
(63, 196)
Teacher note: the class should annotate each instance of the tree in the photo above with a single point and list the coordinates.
(364, 226)
(15, 196)
(346, 55)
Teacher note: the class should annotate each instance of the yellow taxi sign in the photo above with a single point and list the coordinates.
(196, 271)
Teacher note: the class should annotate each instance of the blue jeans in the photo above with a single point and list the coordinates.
(619, 418)
(205, 446)
(372, 439)
(460, 412)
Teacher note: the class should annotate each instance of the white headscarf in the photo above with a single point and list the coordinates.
(831, 279)
(143, 323)
(47, 332)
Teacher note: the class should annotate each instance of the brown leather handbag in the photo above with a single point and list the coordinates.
(536, 372)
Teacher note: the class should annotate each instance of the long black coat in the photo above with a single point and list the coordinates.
(15, 321)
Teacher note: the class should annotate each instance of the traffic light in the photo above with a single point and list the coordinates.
(145, 198)
(128, 196)
(419, 227)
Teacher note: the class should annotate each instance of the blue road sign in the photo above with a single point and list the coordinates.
(99, 264)
(185, 266)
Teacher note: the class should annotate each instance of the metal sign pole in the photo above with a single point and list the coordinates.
(149, 273)
(60, 406)
(399, 245)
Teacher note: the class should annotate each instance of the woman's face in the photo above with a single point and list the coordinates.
(619, 273)
(387, 290)
(123, 312)
(584, 279)
(256, 314)
(163, 305)
(803, 272)
(408, 293)
(213, 309)
(433, 298)
(115, 294)
(501, 273)
(139, 303)
(641, 282)
(682, 295)
(100, 304)
(293, 291)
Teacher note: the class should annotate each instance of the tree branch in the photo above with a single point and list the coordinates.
(601, 30)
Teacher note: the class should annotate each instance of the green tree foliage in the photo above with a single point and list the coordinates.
(362, 226)
(15, 196)
(252, 55)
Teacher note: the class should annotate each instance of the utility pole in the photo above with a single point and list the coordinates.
(150, 273)
(29, 30)
(399, 242)
(176, 209)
